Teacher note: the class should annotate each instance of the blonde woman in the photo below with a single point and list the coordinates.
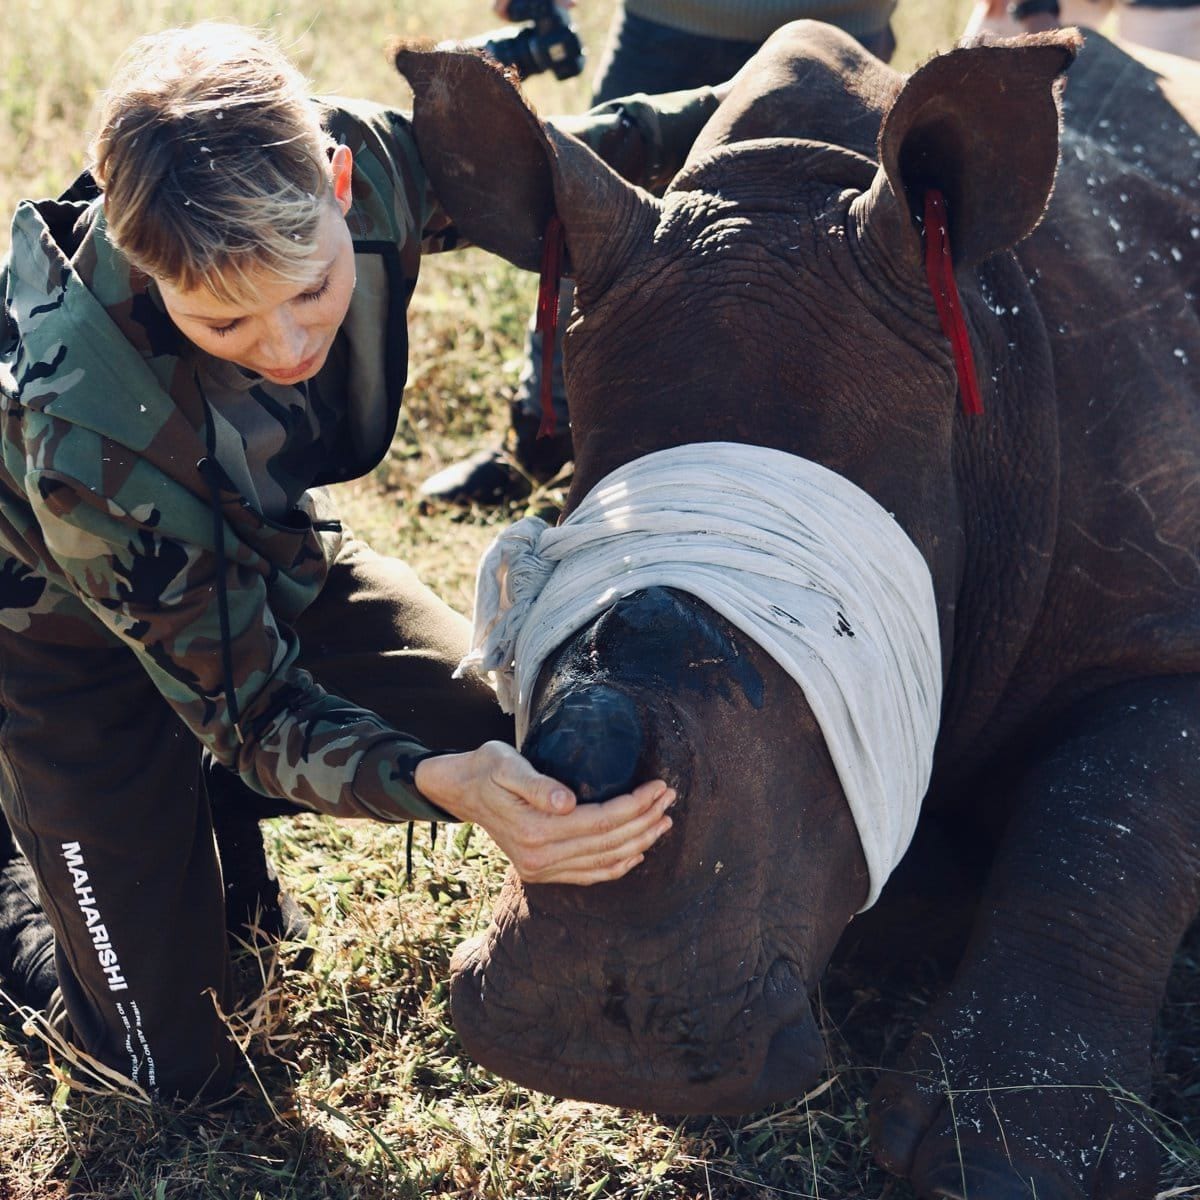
(192, 338)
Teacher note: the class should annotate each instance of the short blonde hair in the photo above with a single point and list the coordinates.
(212, 160)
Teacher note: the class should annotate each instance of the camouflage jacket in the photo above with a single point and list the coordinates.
(119, 521)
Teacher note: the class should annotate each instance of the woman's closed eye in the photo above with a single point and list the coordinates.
(317, 292)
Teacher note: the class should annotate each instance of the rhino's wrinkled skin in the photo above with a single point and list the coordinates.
(777, 295)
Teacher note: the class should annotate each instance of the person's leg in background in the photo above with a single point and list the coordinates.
(258, 913)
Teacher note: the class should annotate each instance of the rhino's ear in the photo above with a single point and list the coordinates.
(981, 124)
(500, 173)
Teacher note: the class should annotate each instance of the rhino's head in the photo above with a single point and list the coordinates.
(776, 296)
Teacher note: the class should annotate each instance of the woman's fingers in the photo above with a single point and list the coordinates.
(606, 853)
(585, 877)
(598, 866)
(547, 797)
(610, 816)
(516, 774)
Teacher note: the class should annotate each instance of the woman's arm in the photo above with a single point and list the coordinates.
(240, 690)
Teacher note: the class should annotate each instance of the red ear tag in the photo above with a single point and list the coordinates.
(939, 270)
(553, 246)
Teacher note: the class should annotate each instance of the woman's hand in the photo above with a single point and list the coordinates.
(535, 820)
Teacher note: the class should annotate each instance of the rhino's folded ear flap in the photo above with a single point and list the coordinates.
(981, 124)
(500, 173)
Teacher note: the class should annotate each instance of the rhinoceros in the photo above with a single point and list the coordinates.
(966, 299)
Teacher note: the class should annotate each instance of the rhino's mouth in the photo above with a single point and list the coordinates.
(616, 1035)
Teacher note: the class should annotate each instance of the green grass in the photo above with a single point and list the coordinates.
(360, 1089)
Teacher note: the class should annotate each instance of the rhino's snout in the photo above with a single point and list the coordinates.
(590, 740)
(675, 988)
(631, 1044)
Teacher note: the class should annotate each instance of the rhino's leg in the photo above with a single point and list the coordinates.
(1023, 1079)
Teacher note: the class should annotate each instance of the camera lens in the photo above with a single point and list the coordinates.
(523, 54)
(549, 44)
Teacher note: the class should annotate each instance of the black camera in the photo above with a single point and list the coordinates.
(547, 43)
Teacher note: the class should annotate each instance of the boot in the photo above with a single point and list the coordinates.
(504, 473)
(27, 969)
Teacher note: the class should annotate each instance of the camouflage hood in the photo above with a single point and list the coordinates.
(112, 396)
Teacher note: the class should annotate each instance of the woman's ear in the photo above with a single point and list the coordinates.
(341, 167)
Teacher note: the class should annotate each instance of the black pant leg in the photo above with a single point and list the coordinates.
(101, 786)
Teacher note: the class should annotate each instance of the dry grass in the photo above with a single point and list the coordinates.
(360, 1090)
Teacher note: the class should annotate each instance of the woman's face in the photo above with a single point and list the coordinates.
(286, 332)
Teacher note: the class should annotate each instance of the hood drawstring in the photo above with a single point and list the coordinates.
(210, 470)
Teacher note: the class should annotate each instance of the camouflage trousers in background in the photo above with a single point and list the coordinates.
(644, 56)
(104, 789)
